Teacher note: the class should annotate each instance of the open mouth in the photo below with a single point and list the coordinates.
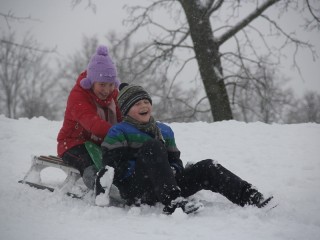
(143, 113)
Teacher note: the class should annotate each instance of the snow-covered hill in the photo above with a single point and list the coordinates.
(280, 159)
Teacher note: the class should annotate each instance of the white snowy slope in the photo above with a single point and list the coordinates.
(283, 160)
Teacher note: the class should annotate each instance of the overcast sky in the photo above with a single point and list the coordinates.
(63, 27)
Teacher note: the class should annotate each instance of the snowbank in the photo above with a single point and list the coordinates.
(280, 159)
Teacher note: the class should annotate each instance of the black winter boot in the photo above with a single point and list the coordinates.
(259, 201)
(251, 196)
(186, 206)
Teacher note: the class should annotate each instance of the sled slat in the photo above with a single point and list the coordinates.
(53, 161)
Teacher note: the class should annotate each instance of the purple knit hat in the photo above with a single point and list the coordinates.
(100, 69)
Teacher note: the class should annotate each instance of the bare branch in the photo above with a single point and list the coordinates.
(311, 11)
(179, 71)
(178, 44)
(241, 24)
(11, 17)
(298, 43)
(90, 4)
(28, 47)
(215, 7)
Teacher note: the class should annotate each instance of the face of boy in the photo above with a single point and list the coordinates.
(141, 111)
(102, 90)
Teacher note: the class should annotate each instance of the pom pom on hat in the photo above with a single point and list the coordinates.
(122, 85)
(100, 69)
(102, 50)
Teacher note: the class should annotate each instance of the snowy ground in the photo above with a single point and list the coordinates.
(280, 159)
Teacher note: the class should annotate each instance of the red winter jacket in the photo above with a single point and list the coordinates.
(81, 120)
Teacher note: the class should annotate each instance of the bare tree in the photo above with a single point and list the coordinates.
(306, 109)
(260, 97)
(22, 75)
(39, 95)
(11, 75)
(207, 26)
(11, 17)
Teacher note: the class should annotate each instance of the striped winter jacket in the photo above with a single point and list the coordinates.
(123, 141)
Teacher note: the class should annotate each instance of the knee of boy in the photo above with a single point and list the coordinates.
(130, 169)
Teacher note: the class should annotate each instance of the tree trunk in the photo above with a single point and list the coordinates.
(208, 58)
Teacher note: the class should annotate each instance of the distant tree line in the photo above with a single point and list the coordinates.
(243, 84)
(30, 88)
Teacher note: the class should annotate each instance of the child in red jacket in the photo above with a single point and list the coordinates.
(91, 110)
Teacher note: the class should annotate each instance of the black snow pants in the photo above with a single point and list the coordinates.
(79, 158)
(154, 181)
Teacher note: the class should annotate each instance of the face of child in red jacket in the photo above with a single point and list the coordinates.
(102, 90)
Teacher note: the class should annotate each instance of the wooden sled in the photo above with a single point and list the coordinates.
(41, 162)
(33, 178)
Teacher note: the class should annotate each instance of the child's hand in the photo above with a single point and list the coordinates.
(173, 170)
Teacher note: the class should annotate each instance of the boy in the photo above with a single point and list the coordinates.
(147, 165)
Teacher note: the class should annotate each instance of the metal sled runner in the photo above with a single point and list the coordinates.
(33, 177)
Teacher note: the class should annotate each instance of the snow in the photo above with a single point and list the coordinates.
(282, 160)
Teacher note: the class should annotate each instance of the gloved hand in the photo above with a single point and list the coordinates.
(131, 168)
(174, 170)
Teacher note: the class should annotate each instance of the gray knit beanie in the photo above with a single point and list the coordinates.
(129, 95)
